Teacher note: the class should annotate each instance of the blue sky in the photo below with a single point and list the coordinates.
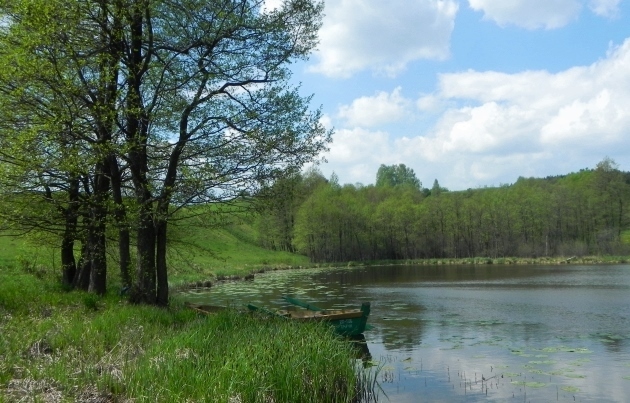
(472, 92)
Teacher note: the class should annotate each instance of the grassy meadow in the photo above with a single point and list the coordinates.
(59, 346)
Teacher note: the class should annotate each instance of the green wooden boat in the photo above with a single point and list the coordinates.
(346, 322)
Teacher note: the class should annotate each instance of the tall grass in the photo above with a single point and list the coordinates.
(71, 346)
(236, 357)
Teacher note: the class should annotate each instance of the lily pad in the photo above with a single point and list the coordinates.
(529, 384)
(571, 389)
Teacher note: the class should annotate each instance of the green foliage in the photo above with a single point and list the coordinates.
(397, 175)
(174, 103)
(234, 356)
(55, 349)
(585, 213)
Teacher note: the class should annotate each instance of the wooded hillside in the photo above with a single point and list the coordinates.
(575, 214)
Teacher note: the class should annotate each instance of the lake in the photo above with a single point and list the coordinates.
(474, 333)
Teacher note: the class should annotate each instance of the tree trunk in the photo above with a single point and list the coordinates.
(82, 278)
(68, 263)
(144, 290)
(162, 275)
(120, 215)
(97, 226)
(97, 257)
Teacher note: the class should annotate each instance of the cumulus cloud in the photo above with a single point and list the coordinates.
(357, 153)
(533, 113)
(375, 110)
(605, 8)
(546, 14)
(491, 126)
(530, 14)
(383, 37)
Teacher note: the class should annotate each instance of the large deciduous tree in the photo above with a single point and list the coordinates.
(189, 99)
(208, 92)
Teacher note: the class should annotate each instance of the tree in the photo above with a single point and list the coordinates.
(396, 175)
(436, 189)
(57, 91)
(188, 99)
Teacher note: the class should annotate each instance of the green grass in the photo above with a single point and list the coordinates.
(195, 252)
(229, 250)
(71, 346)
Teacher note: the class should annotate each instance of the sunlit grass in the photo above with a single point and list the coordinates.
(69, 346)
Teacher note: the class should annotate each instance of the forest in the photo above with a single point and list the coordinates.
(581, 213)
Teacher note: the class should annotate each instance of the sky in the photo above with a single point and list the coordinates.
(472, 93)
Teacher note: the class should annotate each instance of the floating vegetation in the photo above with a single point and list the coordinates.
(563, 349)
(571, 389)
(556, 372)
(411, 368)
(511, 374)
(529, 384)
(545, 362)
(580, 362)
(575, 376)
(627, 377)
(455, 347)
(479, 356)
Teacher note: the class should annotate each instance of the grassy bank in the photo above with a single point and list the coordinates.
(73, 346)
(58, 346)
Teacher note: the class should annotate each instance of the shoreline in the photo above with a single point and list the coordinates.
(507, 261)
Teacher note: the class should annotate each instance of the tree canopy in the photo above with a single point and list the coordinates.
(122, 112)
(397, 175)
(576, 214)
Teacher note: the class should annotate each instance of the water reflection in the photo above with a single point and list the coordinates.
(477, 333)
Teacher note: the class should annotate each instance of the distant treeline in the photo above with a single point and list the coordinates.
(576, 214)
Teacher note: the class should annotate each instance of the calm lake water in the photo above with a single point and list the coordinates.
(475, 333)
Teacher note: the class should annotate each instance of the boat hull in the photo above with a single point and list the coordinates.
(351, 322)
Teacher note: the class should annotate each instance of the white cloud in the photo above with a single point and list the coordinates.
(530, 14)
(375, 110)
(383, 36)
(355, 153)
(547, 14)
(605, 8)
(492, 127)
(534, 113)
